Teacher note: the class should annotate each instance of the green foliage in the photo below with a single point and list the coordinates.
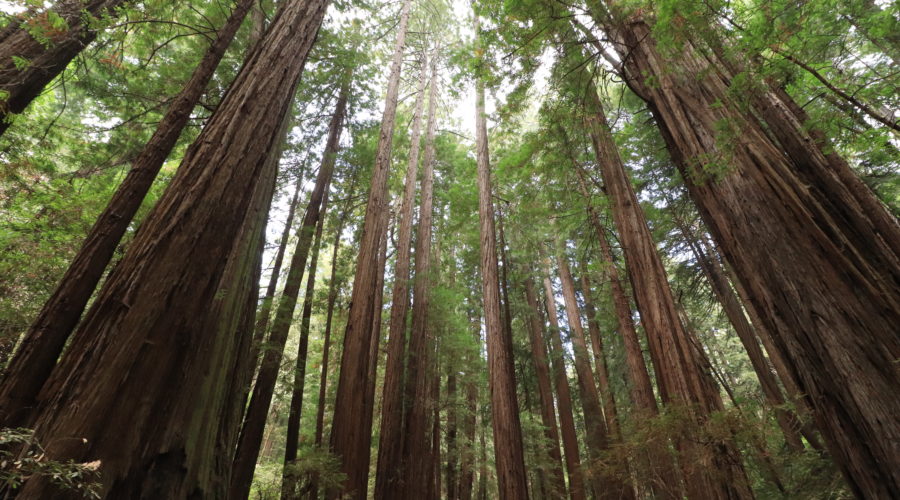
(22, 457)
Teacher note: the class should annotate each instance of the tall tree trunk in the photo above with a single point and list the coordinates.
(605, 485)
(563, 394)
(787, 420)
(681, 383)
(417, 441)
(46, 48)
(434, 475)
(827, 286)
(452, 450)
(51, 329)
(255, 418)
(590, 312)
(508, 451)
(141, 383)
(333, 285)
(390, 448)
(375, 344)
(661, 475)
(292, 440)
(467, 463)
(545, 393)
(349, 440)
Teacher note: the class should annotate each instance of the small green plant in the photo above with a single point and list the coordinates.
(22, 457)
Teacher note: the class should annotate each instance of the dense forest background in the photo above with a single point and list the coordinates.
(429, 249)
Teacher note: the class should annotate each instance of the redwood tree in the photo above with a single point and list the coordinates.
(45, 339)
(148, 364)
(349, 440)
(827, 285)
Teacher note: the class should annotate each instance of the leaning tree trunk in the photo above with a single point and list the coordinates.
(661, 474)
(390, 449)
(142, 384)
(46, 49)
(787, 420)
(349, 440)
(606, 486)
(417, 440)
(563, 394)
(255, 418)
(590, 312)
(508, 451)
(292, 440)
(681, 383)
(827, 286)
(48, 334)
(545, 393)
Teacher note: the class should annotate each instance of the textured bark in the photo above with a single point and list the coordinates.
(557, 485)
(508, 451)
(681, 383)
(292, 440)
(349, 440)
(418, 381)
(333, 286)
(264, 389)
(827, 286)
(712, 269)
(45, 339)
(434, 475)
(605, 485)
(390, 447)
(590, 312)
(143, 383)
(564, 396)
(48, 54)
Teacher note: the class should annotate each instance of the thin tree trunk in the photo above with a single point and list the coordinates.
(255, 418)
(787, 420)
(605, 485)
(827, 286)
(467, 464)
(417, 439)
(509, 455)
(545, 392)
(46, 48)
(390, 449)
(590, 312)
(564, 396)
(350, 441)
(292, 441)
(680, 381)
(51, 329)
(452, 451)
(333, 285)
(153, 351)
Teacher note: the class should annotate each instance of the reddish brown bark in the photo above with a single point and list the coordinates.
(787, 420)
(349, 440)
(827, 286)
(508, 451)
(390, 447)
(590, 312)
(292, 440)
(566, 415)
(545, 393)
(255, 418)
(452, 429)
(681, 383)
(45, 339)
(143, 381)
(417, 440)
(605, 485)
(661, 474)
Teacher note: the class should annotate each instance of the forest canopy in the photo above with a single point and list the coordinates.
(520, 249)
